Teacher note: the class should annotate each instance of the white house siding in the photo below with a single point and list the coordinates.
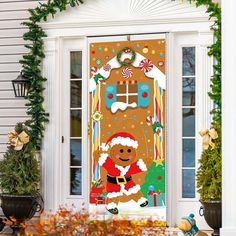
(12, 110)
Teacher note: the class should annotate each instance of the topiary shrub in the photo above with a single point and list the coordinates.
(209, 175)
(19, 169)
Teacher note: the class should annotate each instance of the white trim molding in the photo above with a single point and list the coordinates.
(228, 119)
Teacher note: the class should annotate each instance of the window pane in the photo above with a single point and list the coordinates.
(75, 152)
(76, 181)
(76, 88)
(121, 99)
(133, 88)
(76, 65)
(75, 123)
(188, 122)
(188, 91)
(188, 187)
(189, 153)
(133, 98)
(121, 88)
(188, 61)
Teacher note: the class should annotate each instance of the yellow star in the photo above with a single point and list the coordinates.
(158, 162)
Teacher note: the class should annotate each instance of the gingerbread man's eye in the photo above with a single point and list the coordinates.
(121, 150)
(129, 150)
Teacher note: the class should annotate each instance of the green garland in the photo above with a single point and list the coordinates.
(31, 62)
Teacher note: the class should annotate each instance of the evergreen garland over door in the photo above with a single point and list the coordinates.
(127, 110)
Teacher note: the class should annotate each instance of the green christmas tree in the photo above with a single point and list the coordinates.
(155, 181)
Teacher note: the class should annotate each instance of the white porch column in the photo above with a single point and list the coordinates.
(229, 118)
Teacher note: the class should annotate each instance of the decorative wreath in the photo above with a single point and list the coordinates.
(130, 61)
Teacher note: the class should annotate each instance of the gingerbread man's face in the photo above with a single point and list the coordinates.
(123, 155)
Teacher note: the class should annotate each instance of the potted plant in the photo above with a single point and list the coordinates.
(19, 179)
(209, 177)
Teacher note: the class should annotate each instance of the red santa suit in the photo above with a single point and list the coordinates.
(114, 170)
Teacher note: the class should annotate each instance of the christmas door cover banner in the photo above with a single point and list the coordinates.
(127, 106)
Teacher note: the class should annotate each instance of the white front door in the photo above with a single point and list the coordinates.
(74, 162)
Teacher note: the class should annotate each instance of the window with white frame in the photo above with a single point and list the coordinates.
(188, 122)
(127, 93)
(76, 123)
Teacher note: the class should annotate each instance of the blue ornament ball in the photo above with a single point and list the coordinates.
(150, 188)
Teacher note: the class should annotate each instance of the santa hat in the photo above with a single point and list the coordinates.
(123, 138)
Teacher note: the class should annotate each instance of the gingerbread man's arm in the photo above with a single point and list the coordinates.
(137, 167)
(104, 176)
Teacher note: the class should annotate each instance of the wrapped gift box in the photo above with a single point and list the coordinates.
(156, 199)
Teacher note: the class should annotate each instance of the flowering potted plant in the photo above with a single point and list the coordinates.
(19, 179)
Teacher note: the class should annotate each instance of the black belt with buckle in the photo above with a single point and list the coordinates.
(118, 179)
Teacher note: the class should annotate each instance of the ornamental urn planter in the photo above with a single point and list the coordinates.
(212, 212)
(20, 208)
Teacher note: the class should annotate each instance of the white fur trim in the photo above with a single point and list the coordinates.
(123, 170)
(142, 166)
(111, 205)
(102, 158)
(142, 200)
(104, 147)
(123, 191)
(124, 142)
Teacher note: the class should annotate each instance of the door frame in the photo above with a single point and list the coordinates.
(52, 148)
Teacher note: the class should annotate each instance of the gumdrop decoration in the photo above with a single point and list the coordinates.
(99, 61)
(161, 63)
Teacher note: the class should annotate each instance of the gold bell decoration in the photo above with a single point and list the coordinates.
(207, 138)
(18, 140)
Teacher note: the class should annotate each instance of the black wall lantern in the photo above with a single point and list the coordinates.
(21, 86)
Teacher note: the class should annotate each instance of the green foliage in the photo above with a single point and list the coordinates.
(215, 50)
(20, 172)
(209, 171)
(31, 64)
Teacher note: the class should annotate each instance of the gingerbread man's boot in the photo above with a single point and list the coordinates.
(112, 208)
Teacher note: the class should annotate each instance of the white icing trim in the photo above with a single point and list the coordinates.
(142, 166)
(123, 191)
(102, 159)
(142, 200)
(133, 190)
(155, 73)
(123, 170)
(111, 205)
(104, 147)
(124, 142)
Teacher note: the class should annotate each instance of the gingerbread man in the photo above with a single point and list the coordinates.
(119, 162)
